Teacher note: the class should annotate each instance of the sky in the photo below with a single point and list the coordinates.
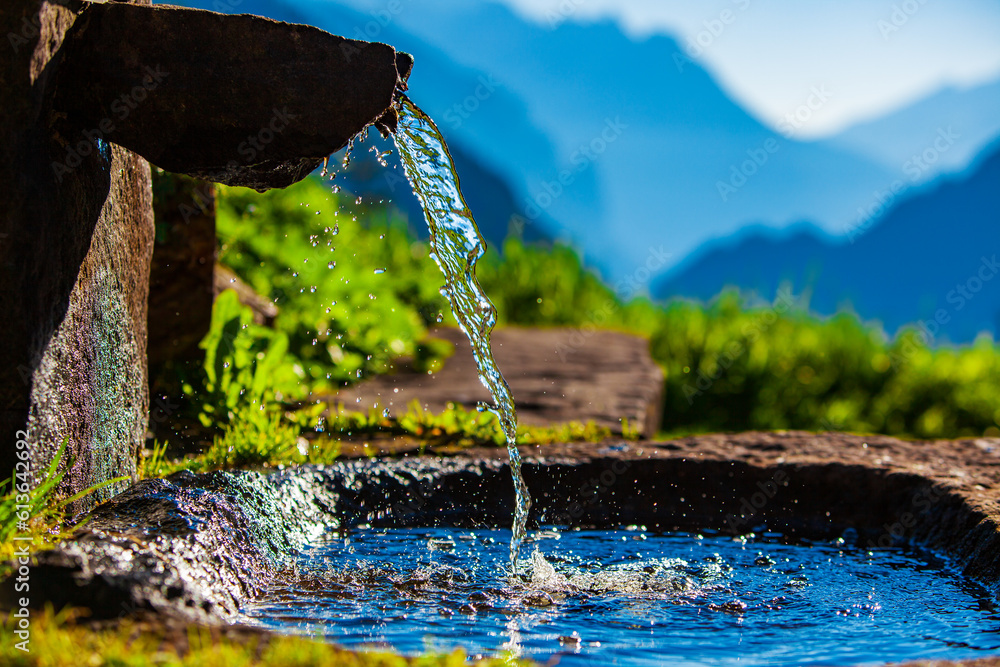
(870, 56)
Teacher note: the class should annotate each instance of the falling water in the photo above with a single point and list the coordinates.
(456, 246)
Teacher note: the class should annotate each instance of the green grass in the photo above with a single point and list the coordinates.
(35, 519)
(266, 439)
(57, 640)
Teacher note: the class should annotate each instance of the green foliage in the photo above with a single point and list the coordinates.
(38, 515)
(256, 437)
(457, 426)
(728, 365)
(351, 296)
(261, 438)
(245, 364)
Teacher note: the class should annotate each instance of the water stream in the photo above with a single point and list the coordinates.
(456, 246)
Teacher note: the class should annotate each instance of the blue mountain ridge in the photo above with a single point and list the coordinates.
(524, 105)
(659, 181)
(606, 137)
(931, 256)
(971, 114)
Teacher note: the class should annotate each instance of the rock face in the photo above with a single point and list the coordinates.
(197, 547)
(76, 235)
(234, 99)
(182, 272)
(555, 375)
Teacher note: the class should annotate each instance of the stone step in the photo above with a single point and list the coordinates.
(555, 376)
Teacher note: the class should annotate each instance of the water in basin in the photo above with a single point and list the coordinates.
(630, 597)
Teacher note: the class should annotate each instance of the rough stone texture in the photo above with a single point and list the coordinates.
(76, 232)
(234, 99)
(555, 375)
(197, 547)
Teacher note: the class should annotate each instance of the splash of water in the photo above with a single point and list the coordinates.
(456, 246)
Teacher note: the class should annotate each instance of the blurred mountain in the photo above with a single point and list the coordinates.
(904, 140)
(671, 159)
(932, 255)
(627, 148)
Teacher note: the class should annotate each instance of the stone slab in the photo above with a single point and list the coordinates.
(555, 375)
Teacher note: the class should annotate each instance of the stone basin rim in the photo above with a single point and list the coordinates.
(219, 537)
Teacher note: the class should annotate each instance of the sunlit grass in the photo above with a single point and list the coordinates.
(33, 519)
(268, 439)
(59, 641)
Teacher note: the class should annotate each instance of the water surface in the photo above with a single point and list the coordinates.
(629, 597)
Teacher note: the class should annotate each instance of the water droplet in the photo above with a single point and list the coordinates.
(378, 271)
(331, 265)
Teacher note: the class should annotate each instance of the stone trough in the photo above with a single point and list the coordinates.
(201, 547)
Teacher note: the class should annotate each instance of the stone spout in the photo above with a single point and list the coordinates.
(235, 99)
(90, 92)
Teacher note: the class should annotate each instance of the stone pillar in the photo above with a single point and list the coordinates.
(76, 236)
(85, 83)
